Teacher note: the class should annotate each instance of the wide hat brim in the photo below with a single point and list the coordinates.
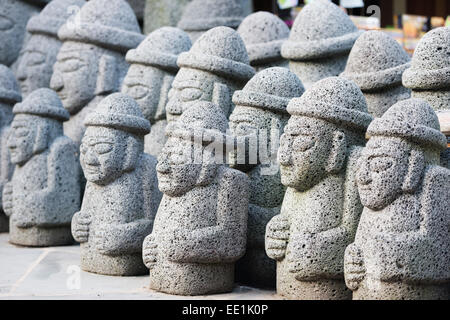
(108, 37)
(373, 81)
(221, 66)
(156, 59)
(426, 79)
(309, 50)
(45, 25)
(265, 52)
(205, 136)
(123, 122)
(45, 111)
(10, 96)
(209, 23)
(261, 101)
(417, 134)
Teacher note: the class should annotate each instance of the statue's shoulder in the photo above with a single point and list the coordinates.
(437, 179)
(233, 176)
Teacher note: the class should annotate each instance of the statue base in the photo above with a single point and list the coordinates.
(192, 279)
(40, 236)
(378, 290)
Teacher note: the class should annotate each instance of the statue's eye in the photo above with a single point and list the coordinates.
(35, 58)
(21, 132)
(102, 148)
(191, 94)
(379, 164)
(138, 91)
(303, 143)
(70, 65)
(83, 148)
(5, 23)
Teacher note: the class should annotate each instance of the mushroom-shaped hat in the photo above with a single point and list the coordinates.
(44, 103)
(320, 30)
(202, 15)
(336, 100)
(430, 65)
(376, 62)
(220, 51)
(270, 89)
(9, 88)
(161, 49)
(119, 111)
(107, 23)
(412, 119)
(263, 34)
(52, 17)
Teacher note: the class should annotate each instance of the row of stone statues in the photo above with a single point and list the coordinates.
(323, 215)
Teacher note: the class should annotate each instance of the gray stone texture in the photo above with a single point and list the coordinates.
(153, 66)
(162, 13)
(215, 67)
(201, 225)
(44, 191)
(39, 53)
(261, 112)
(9, 95)
(91, 62)
(402, 246)
(318, 157)
(200, 16)
(376, 64)
(13, 18)
(121, 196)
(320, 42)
(263, 34)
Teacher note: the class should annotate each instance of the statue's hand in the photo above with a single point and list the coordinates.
(8, 199)
(80, 227)
(277, 236)
(354, 268)
(149, 251)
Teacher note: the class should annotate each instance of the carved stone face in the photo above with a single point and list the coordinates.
(143, 84)
(102, 154)
(13, 20)
(36, 65)
(304, 151)
(75, 74)
(189, 85)
(177, 172)
(382, 170)
(22, 138)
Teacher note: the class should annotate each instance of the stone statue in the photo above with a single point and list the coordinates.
(263, 34)
(91, 62)
(162, 13)
(200, 228)
(121, 196)
(212, 70)
(402, 246)
(44, 191)
(39, 54)
(321, 209)
(9, 95)
(261, 112)
(13, 21)
(320, 42)
(200, 16)
(376, 64)
(153, 66)
(429, 78)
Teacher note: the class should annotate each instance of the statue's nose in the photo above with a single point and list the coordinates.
(56, 82)
(284, 154)
(21, 72)
(163, 164)
(363, 175)
(174, 106)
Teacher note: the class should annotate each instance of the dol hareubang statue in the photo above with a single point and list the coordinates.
(212, 70)
(153, 66)
(320, 213)
(91, 62)
(402, 246)
(9, 95)
(200, 228)
(39, 53)
(260, 116)
(121, 196)
(44, 191)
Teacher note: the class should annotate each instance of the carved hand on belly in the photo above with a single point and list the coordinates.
(150, 251)
(354, 268)
(80, 226)
(277, 237)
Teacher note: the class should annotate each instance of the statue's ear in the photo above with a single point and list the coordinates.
(107, 75)
(338, 153)
(222, 98)
(132, 154)
(416, 166)
(41, 139)
(164, 96)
